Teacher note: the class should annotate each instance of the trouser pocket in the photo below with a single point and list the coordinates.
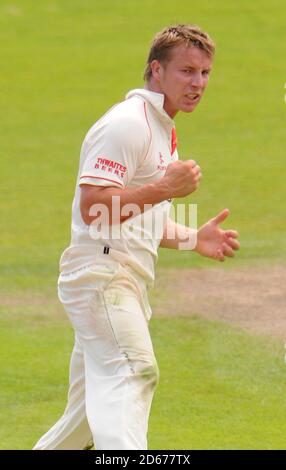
(77, 289)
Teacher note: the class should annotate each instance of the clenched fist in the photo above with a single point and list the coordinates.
(182, 178)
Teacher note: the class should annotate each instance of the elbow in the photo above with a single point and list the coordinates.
(100, 213)
(96, 213)
(84, 212)
(96, 206)
(85, 217)
(101, 218)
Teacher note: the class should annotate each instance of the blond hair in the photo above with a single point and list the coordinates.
(172, 36)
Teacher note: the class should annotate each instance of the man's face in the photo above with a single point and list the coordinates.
(183, 78)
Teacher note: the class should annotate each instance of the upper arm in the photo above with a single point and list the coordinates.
(89, 195)
(113, 152)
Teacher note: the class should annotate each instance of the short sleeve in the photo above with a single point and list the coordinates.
(113, 151)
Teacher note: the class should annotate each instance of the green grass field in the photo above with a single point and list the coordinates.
(219, 388)
(63, 64)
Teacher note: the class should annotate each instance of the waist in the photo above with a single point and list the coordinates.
(104, 268)
(76, 257)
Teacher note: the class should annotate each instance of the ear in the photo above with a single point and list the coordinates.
(156, 68)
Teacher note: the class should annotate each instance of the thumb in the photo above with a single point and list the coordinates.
(221, 216)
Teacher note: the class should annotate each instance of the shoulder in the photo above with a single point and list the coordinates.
(126, 119)
(129, 116)
(125, 123)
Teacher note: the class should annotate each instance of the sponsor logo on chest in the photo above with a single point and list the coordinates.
(162, 166)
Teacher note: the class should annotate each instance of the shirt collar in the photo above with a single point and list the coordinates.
(155, 99)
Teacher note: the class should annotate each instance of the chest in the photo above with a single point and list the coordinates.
(162, 151)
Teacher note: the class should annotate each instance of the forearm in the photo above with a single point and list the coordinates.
(121, 204)
(178, 237)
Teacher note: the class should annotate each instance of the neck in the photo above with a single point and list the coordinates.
(151, 85)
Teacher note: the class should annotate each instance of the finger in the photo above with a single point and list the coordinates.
(219, 255)
(197, 177)
(221, 216)
(191, 163)
(233, 243)
(196, 170)
(232, 233)
(227, 250)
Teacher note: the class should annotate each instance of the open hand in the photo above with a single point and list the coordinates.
(214, 242)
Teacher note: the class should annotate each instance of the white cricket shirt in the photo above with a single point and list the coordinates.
(130, 146)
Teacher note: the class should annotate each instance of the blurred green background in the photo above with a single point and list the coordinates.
(63, 64)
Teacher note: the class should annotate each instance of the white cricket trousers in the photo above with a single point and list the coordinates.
(113, 370)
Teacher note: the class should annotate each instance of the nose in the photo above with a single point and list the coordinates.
(197, 80)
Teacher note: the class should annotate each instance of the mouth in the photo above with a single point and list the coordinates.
(193, 96)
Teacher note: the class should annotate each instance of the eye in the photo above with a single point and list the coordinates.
(206, 72)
